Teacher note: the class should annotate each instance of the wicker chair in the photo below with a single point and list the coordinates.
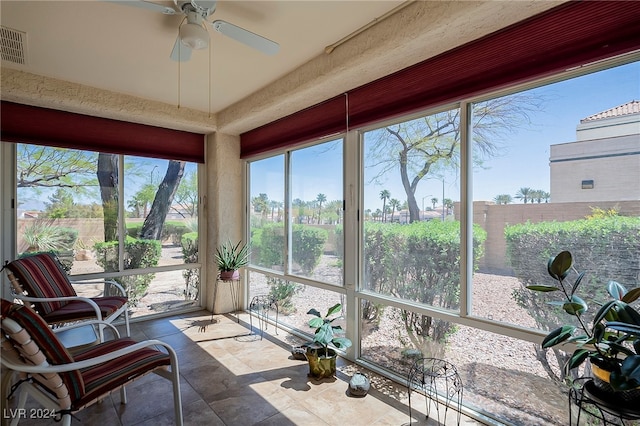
(39, 280)
(65, 383)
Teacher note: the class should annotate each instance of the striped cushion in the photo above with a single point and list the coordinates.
(79, 310)
(106, 377)
(48, 343)
(41, 275)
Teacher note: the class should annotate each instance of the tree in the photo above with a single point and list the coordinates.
(321, 198)
(154, 222)
(434, 201)
(384, 196)
(261, 204)
(429, 145)
(448, 204)
(108, 180)
(524, 194)
(395, 205)
(60, 204)
(502, 199)
(143, 199)
(187, 195)
(47, 167)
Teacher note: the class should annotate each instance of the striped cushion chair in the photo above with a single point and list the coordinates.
(40, 280)
(66, 383)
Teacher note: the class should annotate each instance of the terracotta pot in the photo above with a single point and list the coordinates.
(321, 366)
(229, 275)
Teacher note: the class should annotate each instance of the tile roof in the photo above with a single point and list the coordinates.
(632, 107)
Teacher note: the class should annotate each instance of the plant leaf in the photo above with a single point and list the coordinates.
(632, 295)
(603, 311)
(559, 266)
(316, 322)
(577, 306)
(577, 358)
(629, 375)
(543, 288)
(616, 290)
(341, 342)
(334, 309)
(577, 283)
(558, 335)
(631, 329)
(314, 312)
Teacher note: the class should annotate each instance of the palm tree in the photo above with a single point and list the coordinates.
(384, 196)
(320, 198)
(434, 201)
(546, 196)
(395, 205)
(503, 199)
(524, 194)
(448, 203)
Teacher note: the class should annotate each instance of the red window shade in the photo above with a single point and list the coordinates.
(325, 119)
(570, 35)
(43, 126)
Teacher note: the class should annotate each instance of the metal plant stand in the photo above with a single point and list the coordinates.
(440, 382)
(261, 305)
(234, 289)
(592, 403)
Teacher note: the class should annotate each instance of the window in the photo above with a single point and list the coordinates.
(440, 276)
(68, 202)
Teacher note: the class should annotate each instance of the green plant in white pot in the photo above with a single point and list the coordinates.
(611, 342)
(231, 257)
(321, 352)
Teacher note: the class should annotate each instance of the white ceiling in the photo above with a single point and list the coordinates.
(126, 49)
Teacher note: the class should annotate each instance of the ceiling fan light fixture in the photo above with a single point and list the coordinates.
(194, 36)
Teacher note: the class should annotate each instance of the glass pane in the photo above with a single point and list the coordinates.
(493, 368)
(317, 212)
(161, 202)
(295, 299)
(266, 218)
(411, 241)
(58, 205)
(558, 163)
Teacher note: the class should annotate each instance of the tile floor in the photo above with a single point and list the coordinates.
(229, 376)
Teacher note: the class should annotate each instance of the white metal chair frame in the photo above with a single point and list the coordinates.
(16, 363)
(19, 293)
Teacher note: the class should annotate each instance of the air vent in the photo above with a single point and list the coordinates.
(12, 45)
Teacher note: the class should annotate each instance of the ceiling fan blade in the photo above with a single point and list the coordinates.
(180, 52)
(146, 5)
(246, 37)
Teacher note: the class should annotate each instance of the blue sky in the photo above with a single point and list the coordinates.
(524, 162)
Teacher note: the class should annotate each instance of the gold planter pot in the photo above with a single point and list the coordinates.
(321, 366)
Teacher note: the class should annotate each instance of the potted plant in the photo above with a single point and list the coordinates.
(611, 342)
(230, 258)
(321, 353)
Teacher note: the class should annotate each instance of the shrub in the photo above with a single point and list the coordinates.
(137, 254)
(189, 244)
(283, 291)
(419, 262)
(606, 247)
(308, 246)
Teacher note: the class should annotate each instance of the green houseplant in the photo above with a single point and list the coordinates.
(321, 353)
(611, 341)
(231, 257)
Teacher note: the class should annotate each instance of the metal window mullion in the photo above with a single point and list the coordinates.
(122, 229)
(288, 230)
(466, 214)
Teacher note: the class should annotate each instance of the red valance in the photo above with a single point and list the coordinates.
(570, 35)
(43, 126)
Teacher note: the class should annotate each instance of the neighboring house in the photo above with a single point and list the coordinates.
(604, 163)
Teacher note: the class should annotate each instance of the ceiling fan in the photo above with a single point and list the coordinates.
(193, 34)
